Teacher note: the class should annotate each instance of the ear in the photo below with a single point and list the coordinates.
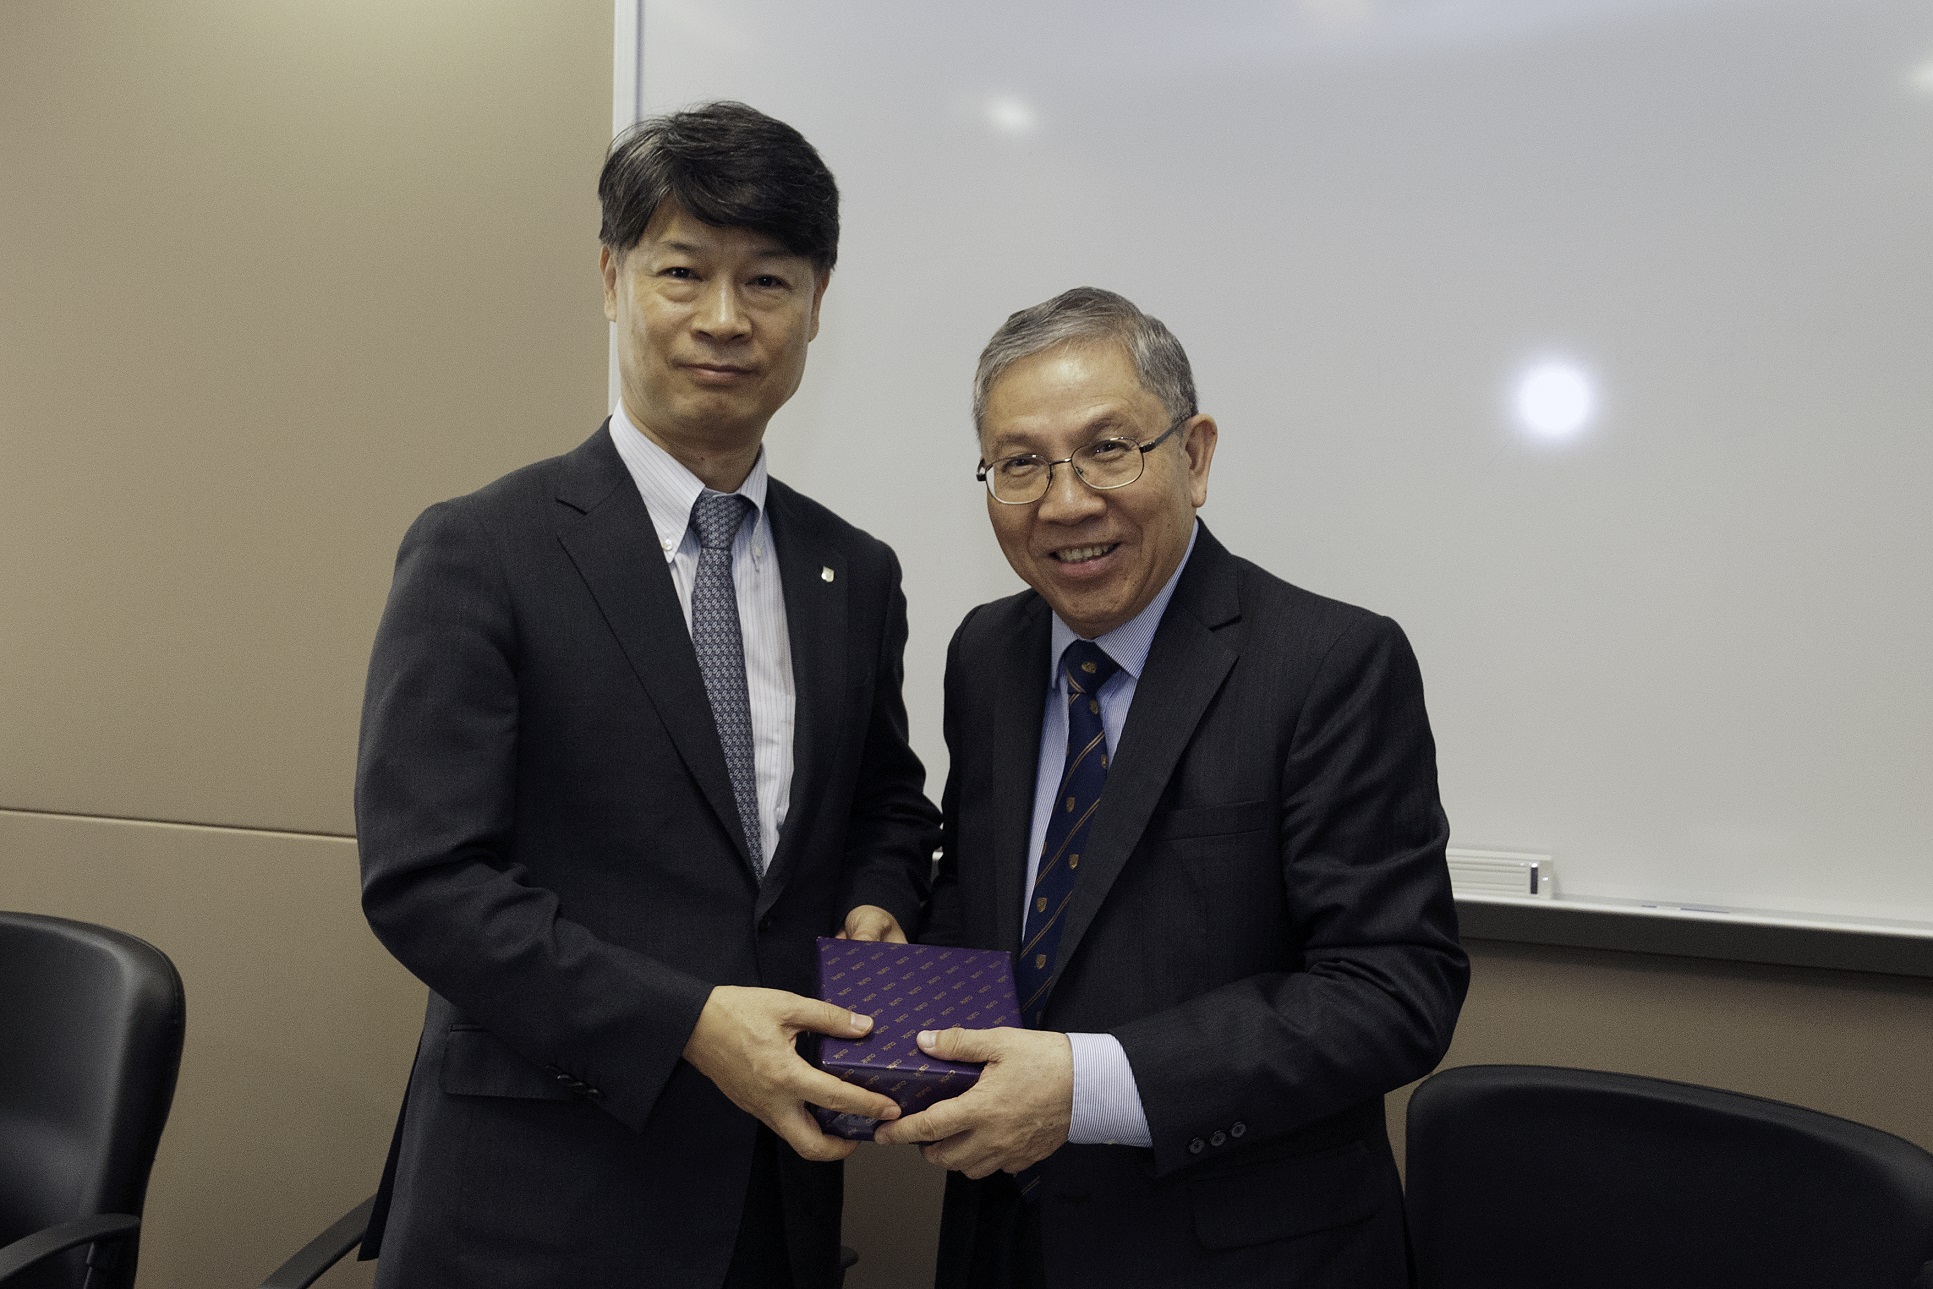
(821, 280)
(607, 264)
(1198, 441)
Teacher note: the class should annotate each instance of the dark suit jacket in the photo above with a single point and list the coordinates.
(1263, 919)
(549, 841)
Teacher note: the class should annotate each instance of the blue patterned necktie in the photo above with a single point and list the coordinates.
(1085, 667)
(716, 517)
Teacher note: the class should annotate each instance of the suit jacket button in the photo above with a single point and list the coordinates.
(765, 923)
(1219, 1139)
(1194, 1147)
(1237, 1128)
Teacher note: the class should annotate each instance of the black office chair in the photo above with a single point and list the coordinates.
(1529, 1177)
(329, 1248)
(91, 1023)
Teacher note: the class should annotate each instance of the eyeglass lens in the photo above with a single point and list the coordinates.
(1107, 463)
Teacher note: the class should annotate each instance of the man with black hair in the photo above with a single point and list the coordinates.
(633, 737)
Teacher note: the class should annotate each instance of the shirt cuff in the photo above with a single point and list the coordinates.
(1107, 1101)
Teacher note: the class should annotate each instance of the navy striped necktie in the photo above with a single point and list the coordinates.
(1085, 667)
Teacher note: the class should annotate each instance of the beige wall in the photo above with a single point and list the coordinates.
(273, 277)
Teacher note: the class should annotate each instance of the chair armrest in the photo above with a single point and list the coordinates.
(41, 1245)
(329, 1248)
(323, 1252)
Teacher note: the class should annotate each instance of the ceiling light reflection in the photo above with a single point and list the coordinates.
(1012, 114)
(1555, 399)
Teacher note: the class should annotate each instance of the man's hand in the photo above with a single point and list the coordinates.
(1016, 1115)
(743, 1043)
(870, 922)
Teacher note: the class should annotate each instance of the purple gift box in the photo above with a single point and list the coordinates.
(906, 988)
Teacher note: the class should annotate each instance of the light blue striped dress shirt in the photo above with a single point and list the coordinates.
(669, 490)
(1107, 1101)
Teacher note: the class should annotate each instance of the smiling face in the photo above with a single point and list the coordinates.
(1097, 557)
(712, 328)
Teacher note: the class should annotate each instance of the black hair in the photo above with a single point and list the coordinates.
(730, 166)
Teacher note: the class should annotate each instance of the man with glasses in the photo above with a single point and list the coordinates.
(1200, 806)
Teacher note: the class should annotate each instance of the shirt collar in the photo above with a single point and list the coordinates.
(669, 488)
(1127, 644)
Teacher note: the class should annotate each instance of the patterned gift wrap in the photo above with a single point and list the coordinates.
(906, 988)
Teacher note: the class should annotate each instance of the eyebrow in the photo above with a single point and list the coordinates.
(692, 248)
(1106, 425)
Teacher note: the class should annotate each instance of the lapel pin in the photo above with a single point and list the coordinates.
(825, 573)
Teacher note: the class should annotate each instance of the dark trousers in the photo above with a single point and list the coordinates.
(1029, 1266)
(1007, 1253)
(761, 1260)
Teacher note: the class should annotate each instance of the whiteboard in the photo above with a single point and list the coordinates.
(1683, 645)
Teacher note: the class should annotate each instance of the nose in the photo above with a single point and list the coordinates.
(1068, 500)
(721, 314)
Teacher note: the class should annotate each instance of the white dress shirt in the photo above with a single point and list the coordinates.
(1107, 1101)
(669, 491)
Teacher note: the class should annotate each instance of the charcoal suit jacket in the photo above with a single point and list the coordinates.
(550, 842)
(1263, 919)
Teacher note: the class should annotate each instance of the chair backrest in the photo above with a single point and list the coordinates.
(1521, 1175)
(91, 1024)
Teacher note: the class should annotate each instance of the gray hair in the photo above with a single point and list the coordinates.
(1089, 315)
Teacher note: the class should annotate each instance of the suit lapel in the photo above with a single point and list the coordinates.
(815, 627)
(609, 537)
(1019, 674)
(1186, 666)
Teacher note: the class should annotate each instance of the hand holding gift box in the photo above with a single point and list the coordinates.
(1018, 1113)
(907, 988)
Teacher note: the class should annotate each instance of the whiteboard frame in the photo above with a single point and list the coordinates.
(1770, 939)
(627, 100)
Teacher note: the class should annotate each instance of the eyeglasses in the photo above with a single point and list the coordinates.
(1102, 464)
